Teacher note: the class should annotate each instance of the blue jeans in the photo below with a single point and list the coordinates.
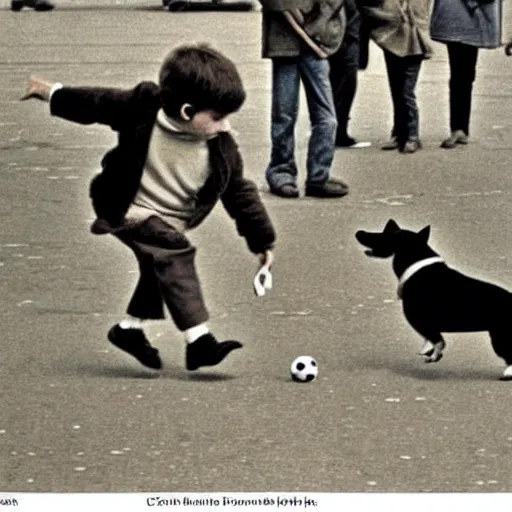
(403, 75)
(287, 74)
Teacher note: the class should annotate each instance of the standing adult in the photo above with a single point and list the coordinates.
(464, 26)
(344, 66)
(298, 36)
(400, 28)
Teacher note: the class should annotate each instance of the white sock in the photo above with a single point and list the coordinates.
(196, 332)
(130, 323)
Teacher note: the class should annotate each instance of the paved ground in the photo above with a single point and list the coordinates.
(77, 415)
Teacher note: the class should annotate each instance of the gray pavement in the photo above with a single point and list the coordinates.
(77, 415)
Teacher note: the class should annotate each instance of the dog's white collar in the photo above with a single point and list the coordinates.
(415, 267)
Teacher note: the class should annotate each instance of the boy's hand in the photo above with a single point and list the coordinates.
(263, 279)
(266, 258)
(37, 88)
(508, 48)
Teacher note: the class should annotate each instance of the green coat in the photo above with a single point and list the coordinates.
(323, 22)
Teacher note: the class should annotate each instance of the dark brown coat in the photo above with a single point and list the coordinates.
(132, 113)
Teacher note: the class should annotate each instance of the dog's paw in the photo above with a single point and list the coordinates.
(437, 352)
(434, 358)
(427, 349)
(507, 373)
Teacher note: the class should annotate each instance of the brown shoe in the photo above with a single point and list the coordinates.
(330, 189)
(288, 191)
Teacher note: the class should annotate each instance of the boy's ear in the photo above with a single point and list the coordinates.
(424, 234)
(391, 227)
(187, 112)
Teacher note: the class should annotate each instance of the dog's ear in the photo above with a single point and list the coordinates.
(391, 227)
(424, 234)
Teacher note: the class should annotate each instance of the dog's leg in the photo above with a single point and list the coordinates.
(500, 339)
(434, 343)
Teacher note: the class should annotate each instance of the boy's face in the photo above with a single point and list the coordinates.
(209, 122)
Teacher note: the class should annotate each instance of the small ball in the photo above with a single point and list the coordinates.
(304, 369)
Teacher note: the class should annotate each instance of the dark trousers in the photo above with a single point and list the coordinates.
(403, 75)
(167, 274)
(344, 65)
(462, 59)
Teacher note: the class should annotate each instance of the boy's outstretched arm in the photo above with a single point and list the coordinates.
(38, 88)
(87, 105)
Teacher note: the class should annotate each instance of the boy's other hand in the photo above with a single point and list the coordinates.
(37, 88)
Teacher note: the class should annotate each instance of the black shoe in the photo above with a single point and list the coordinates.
(289, 191)
(331, 188)
(207, 351)
(345, 142)
(134, 342)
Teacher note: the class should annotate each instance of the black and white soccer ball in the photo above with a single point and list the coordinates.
(304, 369)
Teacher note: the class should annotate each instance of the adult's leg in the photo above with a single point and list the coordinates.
(282, 169)
(463, 59)
(343, 77)
(314, 73)
(396, 80)
(412, 66)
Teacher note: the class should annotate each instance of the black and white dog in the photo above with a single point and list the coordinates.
(438, 299)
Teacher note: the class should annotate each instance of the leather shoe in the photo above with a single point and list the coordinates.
(331, 188)
(135, 343)
(411, 146)
(457, 137)
(288, 191)
(391, 144)
(207, 351)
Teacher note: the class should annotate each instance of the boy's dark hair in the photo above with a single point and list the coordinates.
(201, 76)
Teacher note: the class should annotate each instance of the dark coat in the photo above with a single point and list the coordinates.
(132, 113)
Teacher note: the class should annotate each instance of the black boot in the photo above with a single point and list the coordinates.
(207, 351)
(135, 343)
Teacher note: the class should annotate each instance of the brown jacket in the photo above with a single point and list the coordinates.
(132, 113)
(399, 26)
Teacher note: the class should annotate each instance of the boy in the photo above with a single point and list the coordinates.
(174, 159)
